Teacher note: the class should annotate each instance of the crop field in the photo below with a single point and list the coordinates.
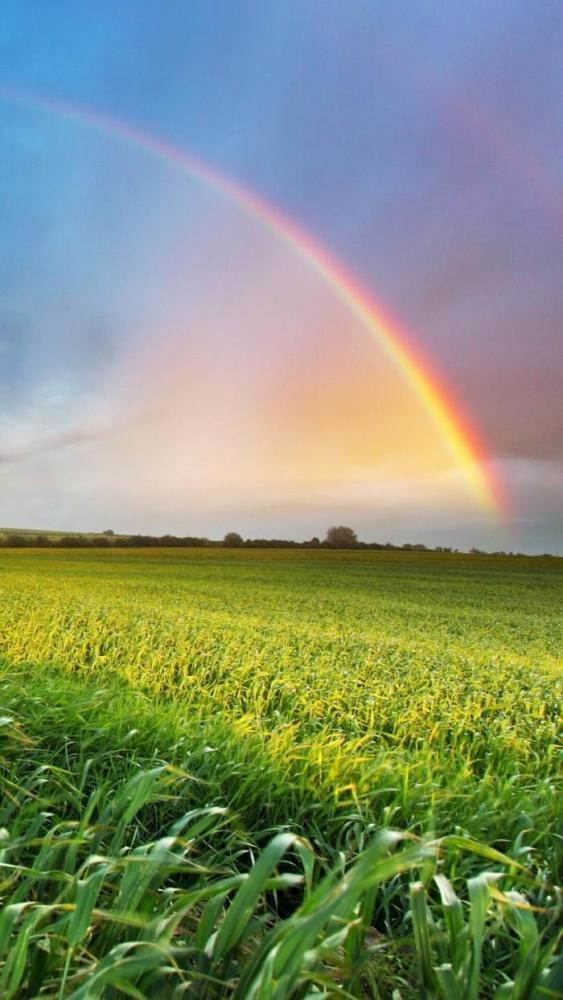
(279, 773)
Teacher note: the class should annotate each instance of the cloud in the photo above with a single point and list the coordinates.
(49, 442)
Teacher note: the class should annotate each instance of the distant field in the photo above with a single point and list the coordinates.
(53, 536)
(327, 692)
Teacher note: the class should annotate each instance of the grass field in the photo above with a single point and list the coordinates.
(174, 720)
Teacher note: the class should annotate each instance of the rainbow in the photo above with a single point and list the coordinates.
(454, 426)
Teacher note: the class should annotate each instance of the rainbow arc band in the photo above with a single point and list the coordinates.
(453, 426)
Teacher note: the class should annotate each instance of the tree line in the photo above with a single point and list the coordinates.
(337, 537)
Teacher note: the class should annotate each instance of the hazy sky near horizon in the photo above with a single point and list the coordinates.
(167, 365)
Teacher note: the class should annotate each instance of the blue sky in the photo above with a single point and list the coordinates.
(421, 143)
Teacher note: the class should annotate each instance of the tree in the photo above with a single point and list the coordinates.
(233, 540)
(340, 537)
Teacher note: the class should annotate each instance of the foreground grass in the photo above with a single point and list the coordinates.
(123, 874)
(204, 753)
(410, 690)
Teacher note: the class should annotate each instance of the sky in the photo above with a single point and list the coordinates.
(169, 363)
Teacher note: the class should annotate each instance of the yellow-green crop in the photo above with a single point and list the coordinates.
(329, 693)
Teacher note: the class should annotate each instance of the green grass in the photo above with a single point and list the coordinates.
(326, 696)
